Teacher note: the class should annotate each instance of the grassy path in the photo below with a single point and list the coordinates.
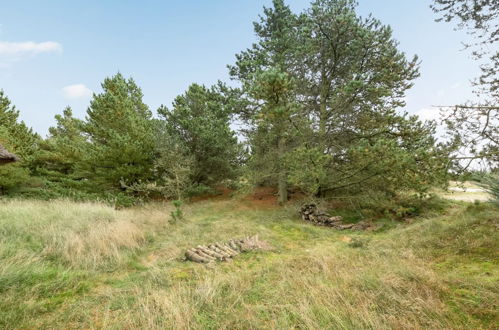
(66, 265)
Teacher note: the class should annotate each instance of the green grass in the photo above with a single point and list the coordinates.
(85, 265)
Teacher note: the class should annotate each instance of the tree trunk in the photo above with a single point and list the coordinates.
(283, 189)
(282, 182)
(323, 96)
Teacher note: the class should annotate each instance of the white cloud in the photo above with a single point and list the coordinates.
(16, 51)
(28, 48)
(434, 113)
(429, 113)
(76, 91)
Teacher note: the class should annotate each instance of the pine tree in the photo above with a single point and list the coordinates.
(200, 121)
(63, 148)
(274, 132)
(120, 134)
(349, 78)
(263, 72)
(20, 140)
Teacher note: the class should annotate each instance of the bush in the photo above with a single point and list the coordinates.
(490, 182)
(379, 205)
(199, 189)
(40, 189)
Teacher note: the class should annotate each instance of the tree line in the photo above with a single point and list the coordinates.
(317, 100)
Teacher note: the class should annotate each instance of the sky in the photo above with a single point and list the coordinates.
(56, 53)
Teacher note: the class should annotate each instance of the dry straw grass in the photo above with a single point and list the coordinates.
(83, 235)
(69, 265)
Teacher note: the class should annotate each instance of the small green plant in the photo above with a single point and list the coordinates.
(358, 242)
(177, 214)
(490, 182)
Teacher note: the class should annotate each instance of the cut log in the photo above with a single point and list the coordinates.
(224, 251)
(310, 213)
(196, 257)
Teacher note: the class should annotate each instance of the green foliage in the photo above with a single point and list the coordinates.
(490, 182)
(172, 169)
(21, 139)
(270, 110)
(14, 174)
(273, 135)
(177, 214)
(120, 147)
(41, 188)
(385, 165)
(308, 169)
(111, 150)
(199, 122)
(11, 176)
(473, 134)
(200, 189)
(379, 206)
(18, 139)
(65, 145)
(322, 90)
(317, 101)
(120, 134)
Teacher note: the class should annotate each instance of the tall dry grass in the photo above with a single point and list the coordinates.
(82, 235)
(325, 288)
(68, 265)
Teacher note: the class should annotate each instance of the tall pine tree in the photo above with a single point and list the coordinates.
(64, 147)
(120, 136)
(200, 121)
(349, 78)
(20, 140)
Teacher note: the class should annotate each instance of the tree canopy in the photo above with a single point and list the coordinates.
(474, 127)
(315, 107)
(322, 89)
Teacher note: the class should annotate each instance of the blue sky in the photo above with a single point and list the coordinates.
(55, 53)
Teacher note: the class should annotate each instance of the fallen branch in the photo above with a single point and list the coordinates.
(310, 213)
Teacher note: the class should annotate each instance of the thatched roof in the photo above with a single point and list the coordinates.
(6, 157)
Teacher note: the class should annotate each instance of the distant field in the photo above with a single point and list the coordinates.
(467, 191)
(79, 265)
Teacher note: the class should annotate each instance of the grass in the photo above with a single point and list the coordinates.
(465, 191)
(82, 265)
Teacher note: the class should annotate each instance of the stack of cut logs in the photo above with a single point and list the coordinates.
(224, 251)
(310, 212)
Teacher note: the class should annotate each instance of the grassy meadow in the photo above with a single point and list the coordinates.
(72, 265)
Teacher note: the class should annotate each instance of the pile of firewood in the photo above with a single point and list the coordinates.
(310, 212)
(224, 251)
